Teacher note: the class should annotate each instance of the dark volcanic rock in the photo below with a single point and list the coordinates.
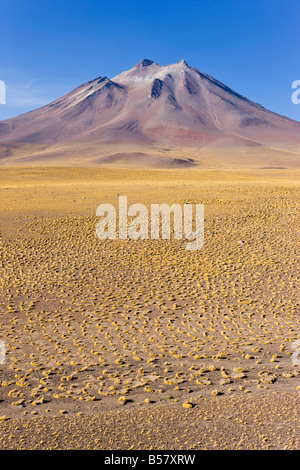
(156, 88)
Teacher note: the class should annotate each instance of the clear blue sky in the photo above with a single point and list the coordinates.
(50, 47)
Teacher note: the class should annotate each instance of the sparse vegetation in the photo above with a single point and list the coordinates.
(87, 322)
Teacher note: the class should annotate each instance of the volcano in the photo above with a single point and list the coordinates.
(152, 116)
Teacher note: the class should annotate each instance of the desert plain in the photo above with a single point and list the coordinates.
(141, 344)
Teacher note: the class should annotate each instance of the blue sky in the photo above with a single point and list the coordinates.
(50, 47)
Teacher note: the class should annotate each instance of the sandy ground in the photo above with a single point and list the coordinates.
(147, 157)
(104, 336)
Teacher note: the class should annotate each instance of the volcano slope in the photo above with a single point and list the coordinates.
(170, 116)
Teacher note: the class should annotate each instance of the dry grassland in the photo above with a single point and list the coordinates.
(167, 336)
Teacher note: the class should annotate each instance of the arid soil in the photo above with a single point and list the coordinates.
(142, 344)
